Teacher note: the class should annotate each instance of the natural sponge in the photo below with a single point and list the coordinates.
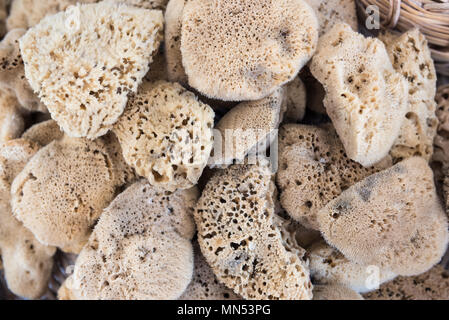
(26, 262)
(431, 285)
(84, 62)
(296, 101)
(166, 135)
(365, 97)
(440, 158)
(146, 4)
(329, 266)
(243, 50)
(204, 285)
(173, 26)
(140, 248)
(63, 189)
(411, 57)
(44, 133)
(314, 169)
(12, 72)
(334, 292)
(248, 128)
(239, 236)
(11, 118)
(330, 12)
(392, 219)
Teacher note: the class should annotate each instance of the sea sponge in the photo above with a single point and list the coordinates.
(25, 14)
(44, 133)
(12, 122)
(12, 73)
(204, 285)
(239, 50)
(63, 189)
(440, 158)
(166, 135)
(146, 4)
(296, 101)
(248, 128)
(411, 56)
(330, 12)
(365, 97)
(392, 219)
(240, 238)
(314, 169)
(173, 26)
(329, 266)
(26, 262)
(84, 62)
(431, 285)
(334, 292)
(140, 248)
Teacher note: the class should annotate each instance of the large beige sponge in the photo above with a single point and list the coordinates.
(392, 219)
(329, 266)
(241, 237)
(366, 98)
(44, 132)
(84, 62)
(139, 250)
(204, 284)
(63, 189)
(166, 135)
(248, 128)
(12, 72)
(240, 50)
(411, 57)
(431, 285)
(26, 262)
(12, 121)
(330, 12)
(314, 169)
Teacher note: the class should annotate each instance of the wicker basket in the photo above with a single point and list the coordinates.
(430, 16)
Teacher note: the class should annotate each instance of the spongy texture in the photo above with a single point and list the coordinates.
(204, 284)
(63, 189)
(296, 101)
(432, 285)
(44, 133)
(26, 262)
(84, 62)
(329, 266)
(173, 26)
(440, 158)
(330, 12)
(27, 13)
(240, 239)
(314, 169)
(140, 248)
(12, 122)
(166, 135)
(334, 292)
(12, 72)
(410, 56)
(392, 219)
(365, 97)
(243, 50)
(248, 128)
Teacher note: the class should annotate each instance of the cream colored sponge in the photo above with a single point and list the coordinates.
(366, 98)
(84, 62)
(243, 50)
(243, 240)
(166, 135)
(392, 219)
(139, 250)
